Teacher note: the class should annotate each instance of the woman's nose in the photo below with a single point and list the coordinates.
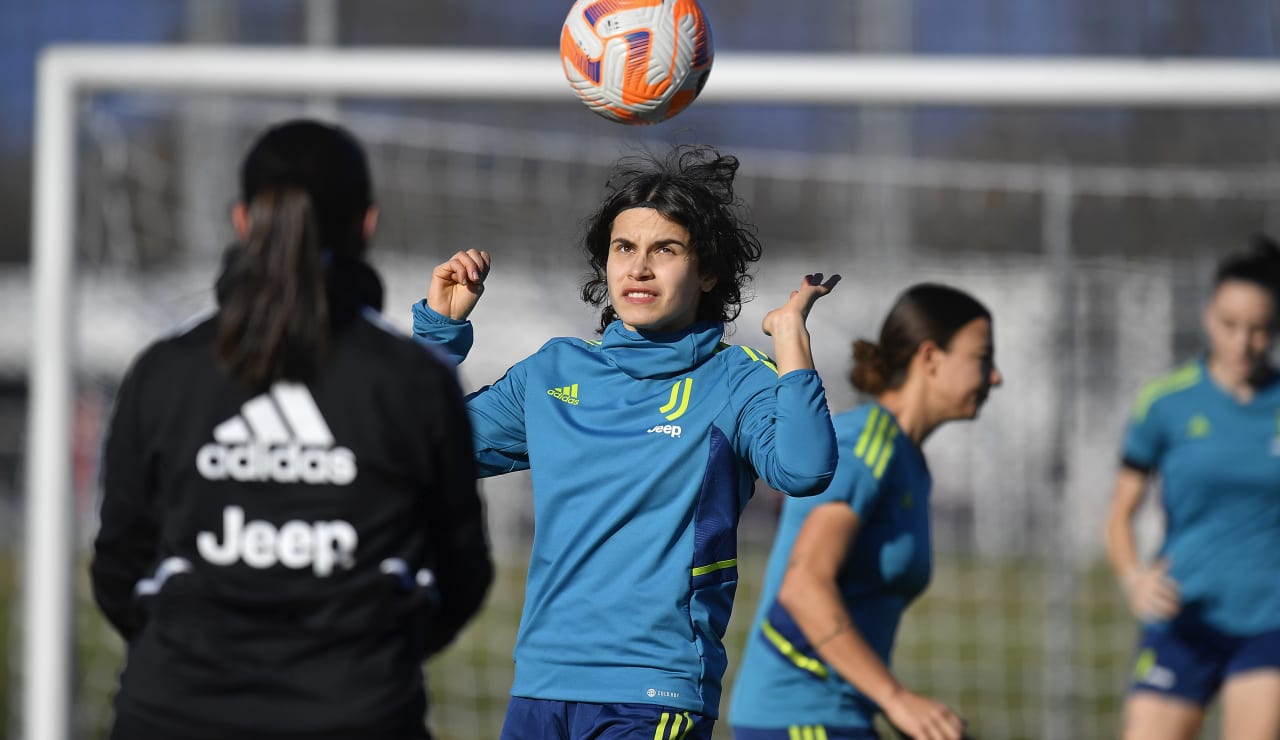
(639, 266)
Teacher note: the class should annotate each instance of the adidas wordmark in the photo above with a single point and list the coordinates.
(278, 436)
(568, 394)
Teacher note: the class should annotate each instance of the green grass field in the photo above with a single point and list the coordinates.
(977, 641)
(994, 679)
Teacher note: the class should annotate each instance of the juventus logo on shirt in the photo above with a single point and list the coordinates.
(679, 401)
(278, 436)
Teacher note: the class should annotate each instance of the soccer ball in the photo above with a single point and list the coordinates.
(636, 61)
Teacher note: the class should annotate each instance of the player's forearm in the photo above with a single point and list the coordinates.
(1122, 550)
(791, 344)
(814, 603)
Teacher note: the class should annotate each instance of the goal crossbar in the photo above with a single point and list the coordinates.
(774, 78)
(66, 71)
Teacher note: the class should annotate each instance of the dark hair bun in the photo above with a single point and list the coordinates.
(870, 372)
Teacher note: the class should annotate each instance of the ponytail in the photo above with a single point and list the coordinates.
(274, 321)
(870, 373)
(923, 312)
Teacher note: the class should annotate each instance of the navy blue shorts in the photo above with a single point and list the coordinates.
(805, 732)
(544, 719)
(1194, 665)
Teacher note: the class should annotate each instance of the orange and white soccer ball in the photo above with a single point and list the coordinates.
(636, 61)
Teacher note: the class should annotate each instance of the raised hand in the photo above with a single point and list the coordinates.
(1152, 594)
(456, 285)
(785, 324)
(793, 313)
(921, 718)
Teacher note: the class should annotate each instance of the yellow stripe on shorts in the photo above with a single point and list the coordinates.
(807, 732)
(681, 724)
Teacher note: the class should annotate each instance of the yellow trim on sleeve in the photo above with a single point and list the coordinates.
(795, 656)
(1180, 379)
(702, 570)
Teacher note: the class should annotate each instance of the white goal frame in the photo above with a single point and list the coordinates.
(65, 72)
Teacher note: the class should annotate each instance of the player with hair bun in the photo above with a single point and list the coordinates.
(846, 564)
(644, 447)
(1210, 602)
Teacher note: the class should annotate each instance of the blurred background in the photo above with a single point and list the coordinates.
(1091, 234)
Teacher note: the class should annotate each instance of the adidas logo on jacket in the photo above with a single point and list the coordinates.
(277, 436)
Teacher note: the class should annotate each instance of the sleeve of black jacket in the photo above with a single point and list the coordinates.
(463, 568)
(128, 535)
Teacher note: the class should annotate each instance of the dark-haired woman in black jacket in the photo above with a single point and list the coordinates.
(289, 517)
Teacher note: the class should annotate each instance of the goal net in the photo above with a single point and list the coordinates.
(1094, 273)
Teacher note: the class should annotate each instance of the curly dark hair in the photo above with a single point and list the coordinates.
(693, 186)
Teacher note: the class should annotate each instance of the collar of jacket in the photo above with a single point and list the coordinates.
(643, 354)
(351, 285)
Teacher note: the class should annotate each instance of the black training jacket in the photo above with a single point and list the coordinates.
(280, 562)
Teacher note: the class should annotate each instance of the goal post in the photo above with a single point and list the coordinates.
(66, 72)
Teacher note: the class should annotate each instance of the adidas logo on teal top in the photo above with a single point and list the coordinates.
(568, 394)
(1198, 427)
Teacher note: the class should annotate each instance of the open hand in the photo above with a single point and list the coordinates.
(456, 285)
(794, 312)
(921, 718)
(1152, 594)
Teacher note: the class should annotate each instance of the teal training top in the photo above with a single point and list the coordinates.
(883, 477)
(1219, 466)
(643, 449)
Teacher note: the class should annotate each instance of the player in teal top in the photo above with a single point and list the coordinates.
(846, 564)
(643, 447)
(1210, 603)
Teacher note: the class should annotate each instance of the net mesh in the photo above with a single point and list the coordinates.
(1094, 275)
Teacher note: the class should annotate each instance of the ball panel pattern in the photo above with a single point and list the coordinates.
(636, 61)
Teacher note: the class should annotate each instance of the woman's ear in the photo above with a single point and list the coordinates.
(240, 220)
(370, 224)
(930, 356)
